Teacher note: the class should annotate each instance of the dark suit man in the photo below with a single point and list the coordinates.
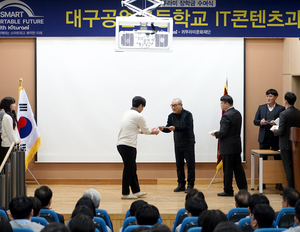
(230, 146)
(287, 119)
(265, 118)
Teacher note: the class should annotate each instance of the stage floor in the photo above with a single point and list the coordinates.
(162, 196)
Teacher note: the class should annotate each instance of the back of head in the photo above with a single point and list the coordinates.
(257, 198)
(5, 225)
(159, 228)
(137, 100)
(195, 206)
(242, 198)
(94, 195)
(264, 215)
(290, 196)
(84, 210)
(87, 202)
(55, 227)
(20, 207)
(37, 205)
(290, 98)
(194, 193)
(297, 210)
(135, 205)
(147, 215)
(227, 227)
(82, 223)
(44, 193)
(209, 219)
(227, 98)
(272, 91)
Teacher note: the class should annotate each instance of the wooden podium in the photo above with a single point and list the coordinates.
(295, 138)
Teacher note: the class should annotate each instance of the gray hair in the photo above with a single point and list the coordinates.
(177, 100)
(94, 195)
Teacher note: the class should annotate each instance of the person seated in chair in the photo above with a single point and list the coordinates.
(209, 219)
(194, 206)
(21, 209)
(262, 216)
(5, 225)
(289, 198)
(82, 223)
(242, 198)
(296, 218)
(37, 205)
(147, 215)
(55, 227)
(44, 194)
(227, 227)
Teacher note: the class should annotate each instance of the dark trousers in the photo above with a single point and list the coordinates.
(130, 178)
(232, 163)
(270, 144)
(287, 160)
(187, 154)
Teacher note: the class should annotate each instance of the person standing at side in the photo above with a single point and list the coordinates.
(265, 118)
(181, 123)
(287, 119)
(230, 146)
(1, 116)
(132, 124)
(9, 128)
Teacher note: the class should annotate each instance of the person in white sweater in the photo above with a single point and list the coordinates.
(132, 124)
(9, 129)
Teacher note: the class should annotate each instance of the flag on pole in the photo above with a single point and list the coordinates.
(219, 165)
(28, 130)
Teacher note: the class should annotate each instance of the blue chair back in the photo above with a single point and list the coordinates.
(39, 220)
(270, 229)
(179, 212)
(106, 217)
(101, 222)
(236, 214)
(285, 218)
(245, 224)
(127, 222)
(130, 228)
(3, 213)
(127, 214)
(195, 229)
(21, 229)
(186, 221)
(49, 215)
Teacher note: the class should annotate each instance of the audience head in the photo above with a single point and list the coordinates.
(82, 223)
(242, 198)
(37, 205)
(194, 193)
(289, 197)
(290, 98)
(137, 100)
(94, 195)
(209, 219)
(194, 206)
(136, 204)
(272, 92)
(44, 193)
(55, 227)
(5, 225)
(262, 217)
(297, 213)
(21, 207)
(227, 227)
(87, 202)
(159, 228)
(255, 199)
(146, 215)
(84, 210)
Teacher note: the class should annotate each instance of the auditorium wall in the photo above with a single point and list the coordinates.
(264, 60)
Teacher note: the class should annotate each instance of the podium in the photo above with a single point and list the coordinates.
(295, 138)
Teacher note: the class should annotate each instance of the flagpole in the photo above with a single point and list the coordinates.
(33, 177)
(213, 180)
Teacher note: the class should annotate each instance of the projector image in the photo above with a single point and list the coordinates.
(144, 39)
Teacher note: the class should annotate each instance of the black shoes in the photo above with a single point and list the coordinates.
(279, 187)
(223, 194)
(264, 187)
(189, 188)
(180, 188)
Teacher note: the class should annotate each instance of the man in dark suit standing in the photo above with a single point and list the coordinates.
(287, 119)
(265, 118)
(230, 146)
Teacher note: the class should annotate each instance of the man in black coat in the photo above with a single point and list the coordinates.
(230, 146)
(265, 117)
(287, 119)
(181, 123)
